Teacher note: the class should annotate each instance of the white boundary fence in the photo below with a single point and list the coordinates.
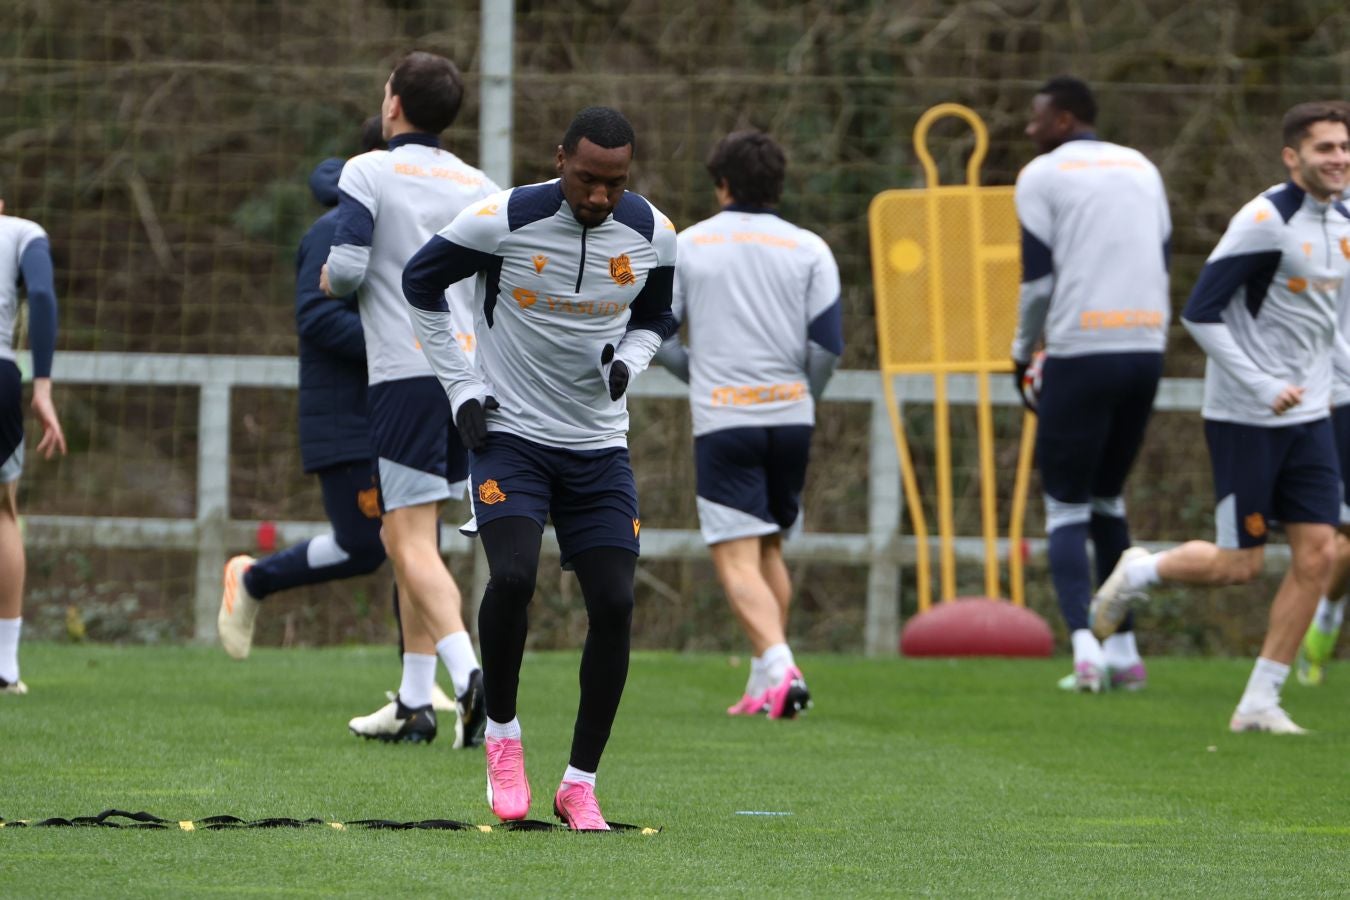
(880, 548)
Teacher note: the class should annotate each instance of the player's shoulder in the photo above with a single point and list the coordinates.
(369, 162)
(17, 230)
(641, 215)
(1269, 210)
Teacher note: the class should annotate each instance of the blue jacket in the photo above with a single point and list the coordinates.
(333, 424)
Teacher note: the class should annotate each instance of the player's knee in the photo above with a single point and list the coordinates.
(1317, 559)
(1241, 566)
(611, 607)
(367, 558)
(513, 580)
(1061, 513)
(1112, 507)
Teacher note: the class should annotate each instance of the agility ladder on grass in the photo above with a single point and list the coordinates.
(109, 819)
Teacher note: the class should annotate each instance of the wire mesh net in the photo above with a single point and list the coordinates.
(165, 146)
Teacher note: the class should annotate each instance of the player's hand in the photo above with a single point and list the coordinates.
(323, 281)
(1287, 399)
(53, 438)
(472, 421)
(615, 372)
(1019, 382)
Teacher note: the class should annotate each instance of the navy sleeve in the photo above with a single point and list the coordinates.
(827, 329)
(36, 267)
(438, 265)
(1221, 278)
(355, 224)
(1037, 259)
(331, 324)
(651, 308)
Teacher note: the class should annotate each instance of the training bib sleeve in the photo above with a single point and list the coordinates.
(464, 248)
(358, 203)
(1242, 265)
(1035, 216)
(35, 264)
(651, 321)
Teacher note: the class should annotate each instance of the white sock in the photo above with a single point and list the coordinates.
(777, 660)
(1086, 647)
(1121, 650)
(497, 731)
(9, 648)
(758, 682)
(1263, 687)
(1140, 573)
(419, 675)
(456, 652)
(576, 775)
(1330, 614)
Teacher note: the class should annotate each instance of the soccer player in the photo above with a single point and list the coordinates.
(25, 255)
(761, 297)
(334, 434)
(574, 284)
(1095, 236)
(1265, 311)
(390, 204)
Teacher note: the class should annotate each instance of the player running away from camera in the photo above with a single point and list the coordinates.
(1265, 311)
(573, 280)
(25, 255)
(390, 203)
(761, 299)
(334, 437)
(1095, 236)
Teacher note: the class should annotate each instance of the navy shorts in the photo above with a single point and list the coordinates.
(351, 498)
(1340, 423)
(1288, 474)
(417, 454)
(750, 480)
(11, 422)
(1091, 418)
(589, 494)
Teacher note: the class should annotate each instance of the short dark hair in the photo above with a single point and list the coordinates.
(601, 125)
(1301, 118)
(430, 89)
(1073, 96)
(372, 135)
(751, 164)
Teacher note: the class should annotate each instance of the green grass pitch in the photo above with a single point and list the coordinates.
(973, 778)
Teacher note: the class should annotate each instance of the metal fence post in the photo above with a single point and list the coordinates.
(213, 505)
(881, 633)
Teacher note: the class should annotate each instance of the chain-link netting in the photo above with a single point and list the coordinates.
(165, 146)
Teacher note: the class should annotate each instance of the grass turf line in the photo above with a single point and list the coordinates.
(913, 776)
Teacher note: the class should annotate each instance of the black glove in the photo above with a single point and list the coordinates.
(472, 421)
(1019, 376)
(617, 369)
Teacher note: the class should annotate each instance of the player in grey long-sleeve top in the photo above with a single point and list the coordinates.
(1265, 311)
(24, 256)
(1095, 236)
(572, 283)
(761, 297)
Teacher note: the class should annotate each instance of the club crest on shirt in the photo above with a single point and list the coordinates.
(621, 270)
(1255, 525)
(489, 493)
(540, 260)
(368, 501)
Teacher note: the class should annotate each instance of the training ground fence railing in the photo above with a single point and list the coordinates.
(212, 531)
